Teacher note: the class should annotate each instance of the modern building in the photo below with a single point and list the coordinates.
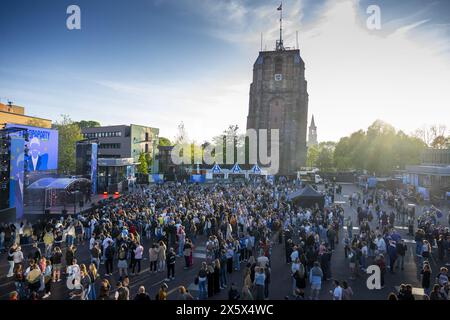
(279, 100)
(312, 134)
(123, 141)
(119, 148)
(10, 113)
(432, 177)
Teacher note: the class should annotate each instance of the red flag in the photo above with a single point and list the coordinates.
(280, 7)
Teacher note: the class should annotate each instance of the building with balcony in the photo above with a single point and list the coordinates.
(119, 148)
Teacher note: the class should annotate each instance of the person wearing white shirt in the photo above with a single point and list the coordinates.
(381, 244)
(364, 255)
(294, 254)
(263, 261)
(294, 268)
(105, 245)
(91, 243)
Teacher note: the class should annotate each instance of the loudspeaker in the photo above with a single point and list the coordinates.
(64, 211)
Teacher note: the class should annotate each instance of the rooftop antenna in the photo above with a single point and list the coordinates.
(296, 37)
(261, 41)
(279, 43)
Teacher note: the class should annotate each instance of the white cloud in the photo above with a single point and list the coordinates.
(354, 76)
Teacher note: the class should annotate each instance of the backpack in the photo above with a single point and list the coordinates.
(122, 255)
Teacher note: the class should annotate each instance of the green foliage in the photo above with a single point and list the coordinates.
(164, 142)
(379, 150)
(312, 156)
(321, 156)
(149, 160)
(143, 166)
(87, 124)
(68, 134)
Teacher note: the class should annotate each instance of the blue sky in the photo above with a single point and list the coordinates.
(160, 62)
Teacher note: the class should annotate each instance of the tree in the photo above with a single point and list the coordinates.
(379, 150)
(143, 166)
(69, 133)
(440, 142)
(312, 156)
(164, 142)
(88, 124)
(429, 133)
(325, 156)
(149, 161)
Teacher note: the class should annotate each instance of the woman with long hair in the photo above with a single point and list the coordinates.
(347, 292)
(210, 280)
(246, 293)
(47, 275)
(153, 258)
(105, 288)
(216, 276)
(162, 256)
(93, 275)
(202, 280)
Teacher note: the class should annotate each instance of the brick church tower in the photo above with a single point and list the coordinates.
(279, 100)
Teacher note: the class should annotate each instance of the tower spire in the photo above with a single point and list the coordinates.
(312, 122)
(279, 43)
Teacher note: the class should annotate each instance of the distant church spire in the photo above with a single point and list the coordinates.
(312, 135)
(279, 43)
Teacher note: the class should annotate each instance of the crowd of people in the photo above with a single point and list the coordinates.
(238, 224)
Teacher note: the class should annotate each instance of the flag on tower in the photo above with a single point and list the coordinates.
(280, 7)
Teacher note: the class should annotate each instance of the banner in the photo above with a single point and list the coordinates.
(198, 178)
(17, 175)
(94, 153)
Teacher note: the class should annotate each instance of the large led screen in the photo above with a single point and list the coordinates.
(42, 146)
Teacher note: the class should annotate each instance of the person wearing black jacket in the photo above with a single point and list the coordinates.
(142, 295)
(401, 249)
(109, 255)
(217, 276)
(35, 252)
(233, 294)
(325, 261)
(170, 261)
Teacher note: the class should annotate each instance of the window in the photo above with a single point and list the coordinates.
(109, 146)
(278, 66)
